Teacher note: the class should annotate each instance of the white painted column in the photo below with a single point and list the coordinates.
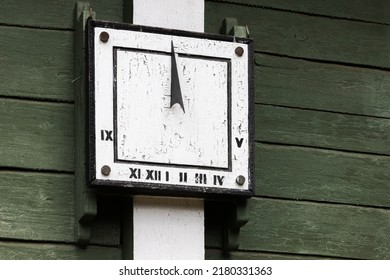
(168, 228)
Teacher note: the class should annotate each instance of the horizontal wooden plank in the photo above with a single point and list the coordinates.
(40, 135)
(321, 175)
(322, 129)
(243, 255)
(304, 84)
(217, 254)
(306, 36)
(366, 10)
(40, 206)
(54, 14)
(36, 135)
(46, 72)
(317, 229)
(47, 251)
(37, 63)
(36, 206)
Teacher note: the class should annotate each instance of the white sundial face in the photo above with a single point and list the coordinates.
(171, 111)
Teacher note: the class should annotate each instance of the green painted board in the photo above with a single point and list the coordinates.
(40, 206)
(305, 36)
(36, 206)
(329, 230)
(364, 10)
(39, 63)
(47, 72)
(322, 175)
(322, 129)
(50, 251)
(217, 254)
(54, 14)
(245, 255)
(322, 86)
(48, 128)
(37, 135)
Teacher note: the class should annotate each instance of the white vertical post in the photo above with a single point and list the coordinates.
(168, 228)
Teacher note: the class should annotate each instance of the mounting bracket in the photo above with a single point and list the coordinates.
(236, 212)
(85, 199)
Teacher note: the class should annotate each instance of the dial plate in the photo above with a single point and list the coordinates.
(170, 111)
(196, 136)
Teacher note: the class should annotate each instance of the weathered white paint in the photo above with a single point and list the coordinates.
(168, 228)
(175, 14)
(185, 241)
(149, 132)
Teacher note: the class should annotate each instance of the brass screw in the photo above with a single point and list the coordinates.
(104, 36)
(106, 170)
(240, 180)
(239, 51)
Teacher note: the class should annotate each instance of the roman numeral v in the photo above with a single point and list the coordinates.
(239, 142)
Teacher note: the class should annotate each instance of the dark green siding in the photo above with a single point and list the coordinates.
(37, 136)
(322, 128)
(322, 131)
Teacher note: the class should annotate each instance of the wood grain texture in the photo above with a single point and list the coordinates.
(317, 229)
(322, 129)
(39, 63)
(215, 254)
(365, 10)
(306, 36)
(36, 135)
(46, 72)
(48, 128)
(36, 206)
(40, 207)
(47, 251)
(54, 14)
(243, 255)
(321, 175)
(300, 83)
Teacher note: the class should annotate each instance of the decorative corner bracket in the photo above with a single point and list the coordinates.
(85, 199)
(238, 209)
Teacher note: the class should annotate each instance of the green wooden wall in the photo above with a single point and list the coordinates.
(322, 131)
(322, 127)
(37, 135)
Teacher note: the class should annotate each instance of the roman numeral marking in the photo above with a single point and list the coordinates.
(183, 177)
(106, 135)
(200, 178)
(239, 142)
(135, 173)
(218, 180)
(166, 176)
(153, 175)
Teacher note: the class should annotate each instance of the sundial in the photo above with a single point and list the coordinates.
(171, 111)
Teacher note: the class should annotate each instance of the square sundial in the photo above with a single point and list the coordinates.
(170, 111)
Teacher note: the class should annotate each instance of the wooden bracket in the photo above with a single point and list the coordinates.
(237, 217)
(85, 199)
(237, 210)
